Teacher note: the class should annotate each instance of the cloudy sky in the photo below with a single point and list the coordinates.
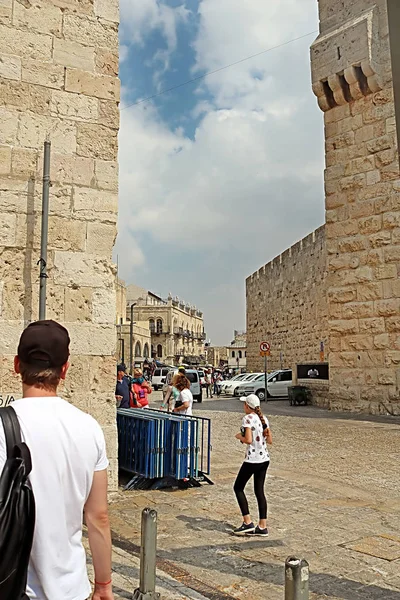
(219, 176)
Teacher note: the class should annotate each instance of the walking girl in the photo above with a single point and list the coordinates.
(256, 434)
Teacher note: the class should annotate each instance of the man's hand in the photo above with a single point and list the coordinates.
(103, 592)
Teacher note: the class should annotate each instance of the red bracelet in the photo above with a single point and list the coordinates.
(106, 583)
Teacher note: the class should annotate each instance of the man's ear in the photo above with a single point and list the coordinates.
(64, 370)
(17, 368)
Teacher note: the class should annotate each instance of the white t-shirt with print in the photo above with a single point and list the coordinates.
(257, 451)
(67, 446)
(186, 396)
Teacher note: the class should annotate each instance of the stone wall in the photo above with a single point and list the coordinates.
(59, 79)
(287, 306)
(352, 78)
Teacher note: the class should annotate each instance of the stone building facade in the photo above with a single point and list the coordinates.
(352, 78)
(287, 306)
(177, 329)
(217, 356)
(237, 352)
(59, 80)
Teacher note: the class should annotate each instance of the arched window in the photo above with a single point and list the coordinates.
(146, 351)
(159, 351)
(233, 354)
(159, 326)
(153, 351)
(245, 354)
(152, 326)
(138, 349)
(240, 354)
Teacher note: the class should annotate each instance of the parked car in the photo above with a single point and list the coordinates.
(229, 381)
(230, 389)
(158, 378)
(278, 384)
(195, 386)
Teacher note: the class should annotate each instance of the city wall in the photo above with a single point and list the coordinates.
(353, 81)
(287, 306)
(59, 80)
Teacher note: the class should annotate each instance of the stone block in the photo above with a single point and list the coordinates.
(78, 304)
(74, 106)
(344, 326)
(96, 141)
(355, 310)
(373, 177)
(370, 225)
(391, 220)
(104, 306)
(10, 67)
(83, 7)
(67, 234)
(8, 229)
(33, 130)
(91, 32)
(23, 162)
(24, 97)
(71, 54)
(61, 200)
(41, 16)
(386, 377)
(55, 301)
(352, 244)
(79, 269)
(8, 126)
(357, 342)
(106, 174)
(100, 239)
(379, 144)
(360, 165)
(391, 172)
(392, 254)
(385, 158)
(13, 301)
(388, 308)
(362, 209)
(342, 229)
(392, 357)
(101, 371)
(26, 44)
(107, 9)
(99, 86)
(382, 341)
(391, 289)
(5, 160)
(386, 272)
(5, 11)
(381, 239)
(109, 114)
(42, 73)
(72, 169)
(342, 295)
(10, 332)
(353, 182)
(92, 340)
(369, 291)
(90, 203)
(383, 204)
(107, 62)
(374, 325)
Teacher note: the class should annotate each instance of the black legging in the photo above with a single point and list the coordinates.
(259, 471)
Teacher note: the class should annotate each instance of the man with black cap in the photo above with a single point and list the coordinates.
(69, 473)
(122, 389)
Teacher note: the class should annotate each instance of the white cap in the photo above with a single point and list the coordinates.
(252, 401)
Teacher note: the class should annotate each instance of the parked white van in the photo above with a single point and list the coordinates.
(195, 386)
(159, 376)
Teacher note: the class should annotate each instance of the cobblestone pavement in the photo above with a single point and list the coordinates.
(333, 491)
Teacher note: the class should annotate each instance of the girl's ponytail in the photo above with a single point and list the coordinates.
(259, 414)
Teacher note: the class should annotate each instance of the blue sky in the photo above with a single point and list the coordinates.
(217, 177)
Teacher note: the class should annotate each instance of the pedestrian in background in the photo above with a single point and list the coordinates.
(122, 388)
(209, 383)
(141, 389)
(69, 475)
(256, 434)
(184, 403)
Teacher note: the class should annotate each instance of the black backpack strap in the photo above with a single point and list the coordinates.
(12, 429)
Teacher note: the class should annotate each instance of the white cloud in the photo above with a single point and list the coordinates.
(250, 182)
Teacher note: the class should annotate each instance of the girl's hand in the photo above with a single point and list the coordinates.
(238, 436)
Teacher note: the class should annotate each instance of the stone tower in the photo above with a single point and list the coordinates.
(352, 79)
(59, 79)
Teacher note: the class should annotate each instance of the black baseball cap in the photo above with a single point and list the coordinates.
(44, 344)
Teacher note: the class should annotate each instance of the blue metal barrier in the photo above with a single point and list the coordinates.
(154, 444)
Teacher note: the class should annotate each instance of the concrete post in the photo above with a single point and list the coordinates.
(148, 556)
(296, 579)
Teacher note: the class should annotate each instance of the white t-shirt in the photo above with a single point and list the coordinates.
(186, 396)
(257, 451)
(67, 446)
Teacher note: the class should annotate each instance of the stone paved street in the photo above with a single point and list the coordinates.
(332, 486)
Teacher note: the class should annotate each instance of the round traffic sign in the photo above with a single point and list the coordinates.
(265, 346)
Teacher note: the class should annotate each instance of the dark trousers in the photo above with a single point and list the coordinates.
(259, 472)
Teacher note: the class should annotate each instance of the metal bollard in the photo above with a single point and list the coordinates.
(296, 579)
(148, 555)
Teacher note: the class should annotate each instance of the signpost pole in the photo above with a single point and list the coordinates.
(266, 376)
